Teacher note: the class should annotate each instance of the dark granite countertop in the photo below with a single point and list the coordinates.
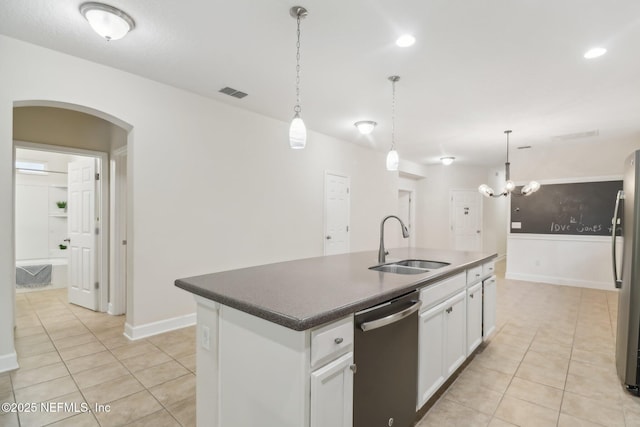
(305, 293)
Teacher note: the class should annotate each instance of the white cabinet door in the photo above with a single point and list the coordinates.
(474, 317)
(332, 394)
(430, 352)
(489, 307)
(455, 336)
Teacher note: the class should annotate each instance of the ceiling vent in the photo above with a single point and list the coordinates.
(232, 92)
(577, 135)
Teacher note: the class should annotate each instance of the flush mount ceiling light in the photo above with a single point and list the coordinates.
(595, 52)
(297, 130)
(447, 160)
(365, 126)
(392, 157)
(108, 21)
(509, 185)
(405, 40)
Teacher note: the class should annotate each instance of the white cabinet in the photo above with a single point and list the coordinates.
(332, 394)
(332, 374)
(474, 274)
(474, 317)
(442, 345)
(488, 269)
(455, 337)
(489, 307)
(430, 352)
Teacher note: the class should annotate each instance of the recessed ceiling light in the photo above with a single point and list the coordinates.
(447, 160)
(595, 52)
(365, 126)
(406, 40)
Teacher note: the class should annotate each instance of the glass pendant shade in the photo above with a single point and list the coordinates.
(297, 133)
(485, 190)
(392, 160)
(530, 188)
(107, 21)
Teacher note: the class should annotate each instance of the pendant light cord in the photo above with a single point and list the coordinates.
(507, 146)
(297, 108)
(393, 114)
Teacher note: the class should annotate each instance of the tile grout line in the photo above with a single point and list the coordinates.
(32, 308)
(573, 340)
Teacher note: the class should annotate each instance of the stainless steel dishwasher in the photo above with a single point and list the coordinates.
(386, 356)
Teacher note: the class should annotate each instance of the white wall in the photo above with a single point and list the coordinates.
(433, 206)
(566, 260)
(211, 187)
(38, 233)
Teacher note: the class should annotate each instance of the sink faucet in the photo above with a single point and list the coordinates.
(382, 253)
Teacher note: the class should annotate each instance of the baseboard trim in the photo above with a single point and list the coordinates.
(605, 286)
(9, 362)
(159, 327)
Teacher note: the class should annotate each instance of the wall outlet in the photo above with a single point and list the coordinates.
(206, 338)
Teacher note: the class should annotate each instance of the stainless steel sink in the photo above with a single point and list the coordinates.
(398, 269)
(419, 263)
(409, 266)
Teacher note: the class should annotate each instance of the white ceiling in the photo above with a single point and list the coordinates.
(478, 66)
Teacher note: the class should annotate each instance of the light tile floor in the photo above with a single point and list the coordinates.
(551, 362)
(69, 354)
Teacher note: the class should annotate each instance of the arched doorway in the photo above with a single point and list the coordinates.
(75, 129)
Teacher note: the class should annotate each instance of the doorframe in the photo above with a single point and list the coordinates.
(324, 207)
(412, 214)
(118, 225)
(102, 246)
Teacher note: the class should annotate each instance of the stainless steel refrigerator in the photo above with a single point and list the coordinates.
(628, 281)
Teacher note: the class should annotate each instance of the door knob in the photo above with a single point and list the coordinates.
(328, 237)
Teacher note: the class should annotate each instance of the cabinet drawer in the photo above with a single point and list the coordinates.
(330, 341)
(488, 269)
(474, 274)
(439, 291)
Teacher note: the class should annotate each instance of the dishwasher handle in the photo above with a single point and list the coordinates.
(392, 318)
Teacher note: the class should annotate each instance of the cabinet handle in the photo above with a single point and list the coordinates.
(477, 275)
(338, 340)
(449, 310)
(353, 368)
(470, 295)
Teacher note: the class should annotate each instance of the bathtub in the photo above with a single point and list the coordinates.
(59, 270)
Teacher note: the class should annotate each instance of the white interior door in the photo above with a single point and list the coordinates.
(466, 220)
(81, 210)
(336, 213)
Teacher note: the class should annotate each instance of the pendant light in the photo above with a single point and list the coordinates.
(297, 130)
(392, 157)
(108, 21)
(509, 185)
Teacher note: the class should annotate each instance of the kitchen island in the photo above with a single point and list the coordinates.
(275, 342)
